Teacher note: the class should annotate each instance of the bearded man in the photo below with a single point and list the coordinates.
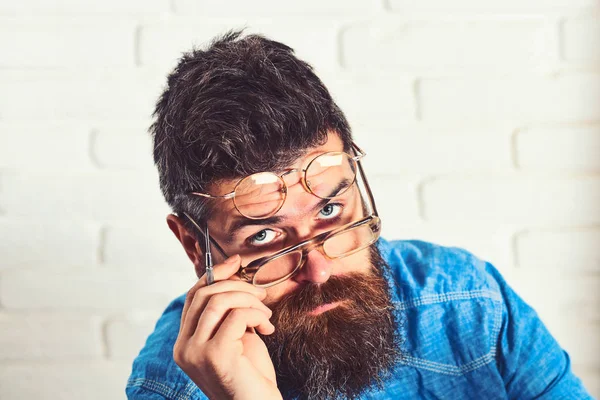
(304, 299)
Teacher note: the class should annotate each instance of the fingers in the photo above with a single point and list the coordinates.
(238, 320)
(222, 271)
(226, 269)
(203, 295)
(218, 308)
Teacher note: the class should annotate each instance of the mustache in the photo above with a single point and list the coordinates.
(337, 288)
(361, 296)
(340, 352)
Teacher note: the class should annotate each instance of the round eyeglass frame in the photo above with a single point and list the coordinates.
(248, 272)
(305, 182)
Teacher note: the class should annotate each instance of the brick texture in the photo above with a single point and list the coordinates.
(30, 94)
(76, 7)
(480, 121)
(491, 242)
(581, 39)
(55, 289)
(534, 98)
(558, 296)
(529, 199)
(148, 242)
(356, 93)
(67, 242)
(495, 6)
(45, 335)
(435, 149)
(110, 195)
(122, 145)
(565, 148)
(69, 42)
(161, 44)
(447, 43)
(243, 8)
(66, 381)
(572, 250)
(45, 145)
(126, 335)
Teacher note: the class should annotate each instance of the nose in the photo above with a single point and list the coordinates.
(316, 269)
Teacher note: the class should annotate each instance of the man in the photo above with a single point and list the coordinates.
(305, 300)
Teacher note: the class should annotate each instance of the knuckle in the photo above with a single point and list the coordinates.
(179, 354)
(238, 313)
(213, 306)
(193, 291)
(200, 293)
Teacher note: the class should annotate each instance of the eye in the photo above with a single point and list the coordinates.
(330, 211)
(263, 237)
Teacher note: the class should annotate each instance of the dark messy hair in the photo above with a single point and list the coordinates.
(246, 104)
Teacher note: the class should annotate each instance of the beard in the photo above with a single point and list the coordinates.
(341, 352)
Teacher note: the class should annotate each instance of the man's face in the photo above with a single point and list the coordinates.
(302, 216)
(334, 322)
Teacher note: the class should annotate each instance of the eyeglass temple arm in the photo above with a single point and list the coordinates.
(210, 196)
(207, 238)
(360, 154)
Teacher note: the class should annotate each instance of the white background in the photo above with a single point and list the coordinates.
(481, 120)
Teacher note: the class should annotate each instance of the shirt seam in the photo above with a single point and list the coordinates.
(443, 297)
(162, 389)
(449, 369)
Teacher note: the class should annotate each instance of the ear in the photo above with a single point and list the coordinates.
(188, 241)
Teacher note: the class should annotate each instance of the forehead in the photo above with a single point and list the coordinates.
(224, 213)
(333, 143)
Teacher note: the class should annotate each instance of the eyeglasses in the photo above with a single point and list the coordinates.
(337, 243)
(262, 195)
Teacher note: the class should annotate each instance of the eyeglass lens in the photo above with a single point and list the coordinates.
(263, 194)
(339, 245)
(259, 195)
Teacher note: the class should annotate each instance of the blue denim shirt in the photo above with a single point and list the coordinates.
(467, 335)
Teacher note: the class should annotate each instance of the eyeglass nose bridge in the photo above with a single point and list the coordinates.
(316, 245)
(305, 184)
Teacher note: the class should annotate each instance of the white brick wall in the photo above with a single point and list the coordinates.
(126, 334)
(481, 121)
(60, 8)
(581, 39)
(568, 97)
(66, 41)
(578, 146)
(448, 43)
(44, 334)
(573, 249)
(507, 6)
(515, 199)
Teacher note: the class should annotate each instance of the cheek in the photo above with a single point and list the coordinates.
(274, 293)
(357, 262)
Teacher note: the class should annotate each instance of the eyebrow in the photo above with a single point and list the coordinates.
(242, 222)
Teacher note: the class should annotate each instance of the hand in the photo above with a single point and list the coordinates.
(217, 346)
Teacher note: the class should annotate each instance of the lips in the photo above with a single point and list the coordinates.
(324, 308)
